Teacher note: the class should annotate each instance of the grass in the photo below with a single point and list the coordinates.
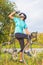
(5, 59)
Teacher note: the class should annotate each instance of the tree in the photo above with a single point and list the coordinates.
(6, 7)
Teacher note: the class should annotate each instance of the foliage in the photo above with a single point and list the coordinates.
(6, 7)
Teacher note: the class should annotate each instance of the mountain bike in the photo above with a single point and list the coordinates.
(15, 51)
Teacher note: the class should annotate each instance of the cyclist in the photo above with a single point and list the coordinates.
(19, 26)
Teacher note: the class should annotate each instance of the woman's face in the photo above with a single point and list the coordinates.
(22, 17)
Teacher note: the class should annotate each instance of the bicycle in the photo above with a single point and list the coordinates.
(11, 41)
(15, 51)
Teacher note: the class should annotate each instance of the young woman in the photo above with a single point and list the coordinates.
(19, 26)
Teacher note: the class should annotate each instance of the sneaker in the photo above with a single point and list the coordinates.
(21, 61)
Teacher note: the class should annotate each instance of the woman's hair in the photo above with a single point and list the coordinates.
(23, 15)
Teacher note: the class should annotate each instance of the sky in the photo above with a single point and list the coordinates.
(34, 11)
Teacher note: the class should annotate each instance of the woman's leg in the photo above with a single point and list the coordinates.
(21, 41)
(21, 38)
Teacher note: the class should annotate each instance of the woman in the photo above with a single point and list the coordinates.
(19, 26)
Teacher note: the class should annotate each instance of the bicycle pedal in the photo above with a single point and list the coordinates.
(28, 53)
(14, 57)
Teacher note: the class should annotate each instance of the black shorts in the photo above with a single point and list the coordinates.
(21, 38)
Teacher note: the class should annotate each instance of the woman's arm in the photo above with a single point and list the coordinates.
(11, 15)
(27, 32)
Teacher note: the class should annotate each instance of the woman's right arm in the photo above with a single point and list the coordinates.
(11, 15)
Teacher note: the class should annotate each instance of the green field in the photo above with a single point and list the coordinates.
(6, 59)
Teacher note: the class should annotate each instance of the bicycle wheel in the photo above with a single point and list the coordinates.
(31, 53)
(26, 54)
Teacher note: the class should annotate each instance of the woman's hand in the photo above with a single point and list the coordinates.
(11, 15)
(27, 32)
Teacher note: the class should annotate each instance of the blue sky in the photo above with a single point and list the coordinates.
(34, 12)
